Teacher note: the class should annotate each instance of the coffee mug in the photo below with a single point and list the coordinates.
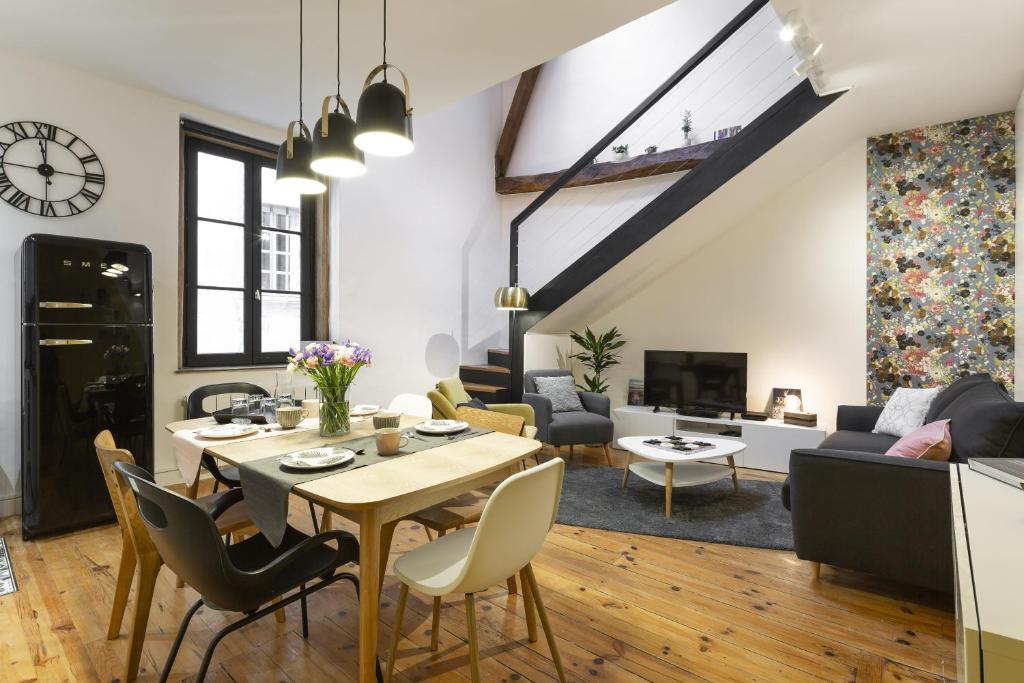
(289, 417)
(390, 440)
(312, 407)
(385, 420)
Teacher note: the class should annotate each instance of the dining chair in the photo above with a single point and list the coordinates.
(245, 577)
(228, 476)
(137, 548)
(411, 404)
(512, 529)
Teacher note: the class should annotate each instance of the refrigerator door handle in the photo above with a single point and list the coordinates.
(64, 342)
(63, 304)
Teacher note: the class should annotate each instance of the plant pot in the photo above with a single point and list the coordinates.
(334, 417)
(621, 156)
(686, 140)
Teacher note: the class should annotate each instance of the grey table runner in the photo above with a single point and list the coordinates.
(267, 484)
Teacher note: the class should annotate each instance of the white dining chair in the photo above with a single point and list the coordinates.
(512, 529)
(412, 404)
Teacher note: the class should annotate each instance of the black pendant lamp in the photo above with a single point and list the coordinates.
(334, 150)
(295, 153)
(384, 117)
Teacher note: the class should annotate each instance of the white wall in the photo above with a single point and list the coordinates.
(580, 95)
(786, 285)
(418, 251)
(135, 134)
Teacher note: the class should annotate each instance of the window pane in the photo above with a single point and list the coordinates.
(221, 188)
(220, 320)
(220, 255)
(281, 327)
(280, 261)
(280, 209)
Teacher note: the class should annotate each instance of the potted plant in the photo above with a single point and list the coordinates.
(687, 127)
(599, 352)
(652, 149)
(333, 368)
(621, 152)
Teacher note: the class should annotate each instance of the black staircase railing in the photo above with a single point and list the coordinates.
(663, 213)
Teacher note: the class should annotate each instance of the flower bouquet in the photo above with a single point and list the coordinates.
(332, 367)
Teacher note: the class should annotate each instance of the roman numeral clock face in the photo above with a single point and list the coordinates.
(48, 171)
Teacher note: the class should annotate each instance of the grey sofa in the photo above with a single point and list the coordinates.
(853, 506)
(590, 426)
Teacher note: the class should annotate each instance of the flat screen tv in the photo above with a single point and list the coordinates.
(696, 382)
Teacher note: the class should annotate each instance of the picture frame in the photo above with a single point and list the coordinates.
(777, 404)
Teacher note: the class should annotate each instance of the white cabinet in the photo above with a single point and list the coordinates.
(768, 443)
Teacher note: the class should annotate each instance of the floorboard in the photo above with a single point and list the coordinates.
(624, 608)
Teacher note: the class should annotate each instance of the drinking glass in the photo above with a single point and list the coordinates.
(240, 410)
(255, 403)
(283, 391)
(270, 409)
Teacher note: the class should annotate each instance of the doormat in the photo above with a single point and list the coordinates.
(8, 584)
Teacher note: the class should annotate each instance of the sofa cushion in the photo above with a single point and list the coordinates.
(579, 427)
(930, 442)
(985, 423)
(952, 392)
(453, 390)
(864, 442)
(561, 391)
(905, 411)
(474, 402)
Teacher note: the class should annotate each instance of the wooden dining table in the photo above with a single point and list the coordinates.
(378, 496)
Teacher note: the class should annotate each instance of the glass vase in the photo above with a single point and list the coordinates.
(334, 411)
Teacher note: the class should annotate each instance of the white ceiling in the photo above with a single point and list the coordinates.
(911, 63)
(241, 56)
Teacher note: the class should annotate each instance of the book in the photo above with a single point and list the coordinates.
(680, 444)
(1007, 470)
(800, 419)
(636, 392)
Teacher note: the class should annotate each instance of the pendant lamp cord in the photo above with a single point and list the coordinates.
(337, 73)
(385, 44)
(300, 60)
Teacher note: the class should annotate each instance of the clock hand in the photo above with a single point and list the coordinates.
(77, 175)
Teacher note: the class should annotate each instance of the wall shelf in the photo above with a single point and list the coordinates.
(641, 166)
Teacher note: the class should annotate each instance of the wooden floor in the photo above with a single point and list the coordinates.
(625, 608)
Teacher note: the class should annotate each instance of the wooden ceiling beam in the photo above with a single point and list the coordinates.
(514, 120)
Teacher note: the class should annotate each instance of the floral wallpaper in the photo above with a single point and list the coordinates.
(941, 254)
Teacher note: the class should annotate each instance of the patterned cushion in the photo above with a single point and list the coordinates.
(562, 393)
(905, 411)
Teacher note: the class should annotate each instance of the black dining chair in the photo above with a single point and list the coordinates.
(228, 476)
(245, 577)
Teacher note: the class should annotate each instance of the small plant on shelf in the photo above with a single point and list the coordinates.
(687, 126)
(621, 152)
(599, 352)
(652, 149)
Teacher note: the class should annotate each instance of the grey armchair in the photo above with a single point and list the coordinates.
(591, 425)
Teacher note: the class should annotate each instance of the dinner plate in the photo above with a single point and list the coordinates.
(317, 458)
(228, 431)
(364, 410)
(441, 426)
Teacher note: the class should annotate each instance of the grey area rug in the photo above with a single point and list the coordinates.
(593, 497)
(7, 582)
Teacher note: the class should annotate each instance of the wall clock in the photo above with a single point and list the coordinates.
(48, 171)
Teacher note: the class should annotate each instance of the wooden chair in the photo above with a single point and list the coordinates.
(514, 525)
(137, 549)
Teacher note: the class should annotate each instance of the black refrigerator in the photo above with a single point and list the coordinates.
(87, 365)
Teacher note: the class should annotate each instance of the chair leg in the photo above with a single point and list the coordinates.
(327, 521)
(179, 582)
(510, 582)
(435, 624)
(572, 451)
(427, 532)
(396, 633)
(558, 451)
(607, 447)
(305, 617)
(474, 647)
(816, 570)
(125, 574)
(625, 470)
(216, 485)
(312, 515)
(279, 615)
(177, 641)
(531, 611)
(539, 602)
(149, 569)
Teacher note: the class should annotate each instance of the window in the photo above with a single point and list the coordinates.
(248, 291)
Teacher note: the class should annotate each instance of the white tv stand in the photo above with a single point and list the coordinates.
(768, 443)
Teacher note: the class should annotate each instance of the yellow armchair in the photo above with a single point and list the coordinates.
(450, 393)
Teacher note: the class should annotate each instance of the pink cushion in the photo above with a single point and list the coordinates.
(930, 442)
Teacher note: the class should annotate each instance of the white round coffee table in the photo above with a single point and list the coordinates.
(661, 468)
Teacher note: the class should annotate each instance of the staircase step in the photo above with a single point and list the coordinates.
(499, 357)
(487, 375)
(487, 393)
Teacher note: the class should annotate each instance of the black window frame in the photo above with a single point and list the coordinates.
(256, 155)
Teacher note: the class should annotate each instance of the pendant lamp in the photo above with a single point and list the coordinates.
(513, 298)
(384, 117)
(334, 151)
(295, 153)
